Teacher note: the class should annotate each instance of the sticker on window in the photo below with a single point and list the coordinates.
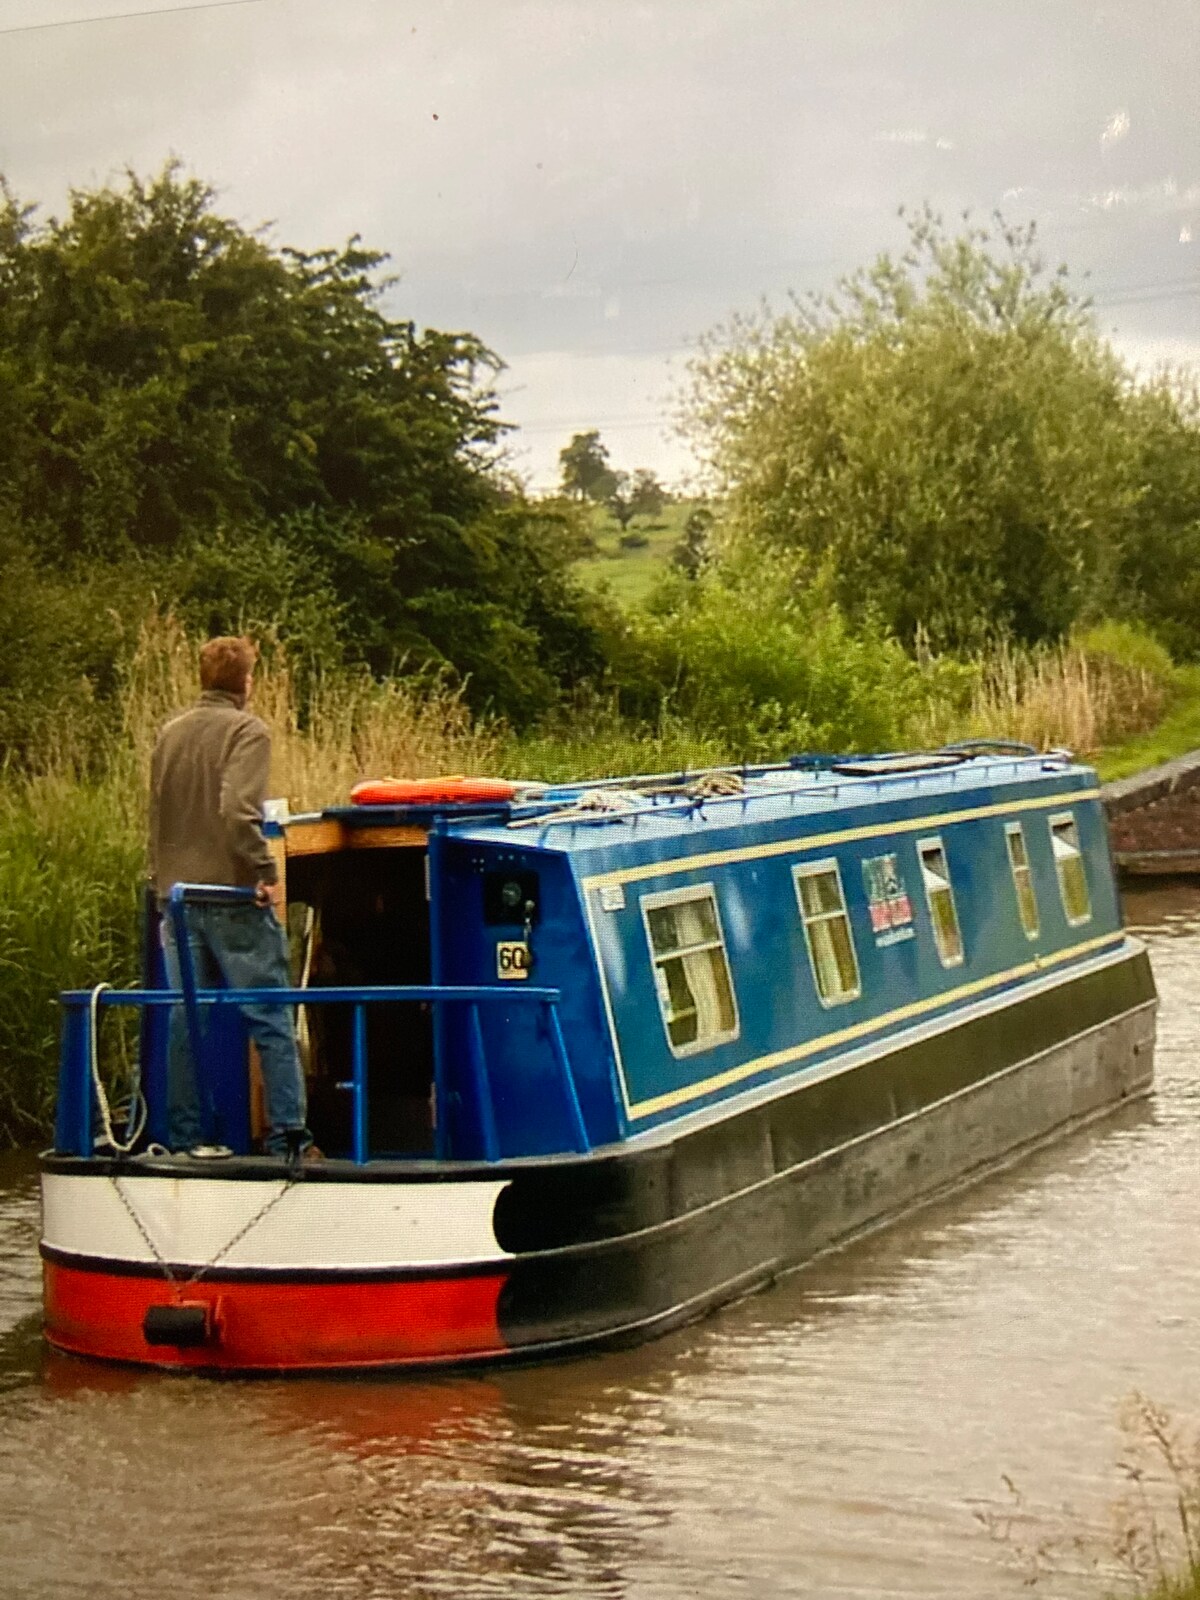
(888, 904)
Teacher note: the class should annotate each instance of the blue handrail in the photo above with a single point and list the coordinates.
(75, 1130)
(333, 994)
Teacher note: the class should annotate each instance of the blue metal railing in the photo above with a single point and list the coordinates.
(76, 1107)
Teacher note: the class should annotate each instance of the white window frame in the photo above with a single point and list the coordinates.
(1015, 830)
(1054, 820)
(675, 897)
(935, 842)
(814, 869)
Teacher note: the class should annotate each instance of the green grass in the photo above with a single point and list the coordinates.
(71, 869)
(1175, 735)
(601, 746)
(630, 574)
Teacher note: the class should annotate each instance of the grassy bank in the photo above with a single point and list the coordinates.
(72, 833)
(1176, 733)
(630, 564)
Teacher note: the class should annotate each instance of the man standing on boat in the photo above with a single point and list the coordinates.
(208, 778)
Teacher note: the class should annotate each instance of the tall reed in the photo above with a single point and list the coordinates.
(1092, 691)
(71, 869)
(326, 732)
(73, 826)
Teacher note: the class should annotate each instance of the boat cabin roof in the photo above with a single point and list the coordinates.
(654, 809)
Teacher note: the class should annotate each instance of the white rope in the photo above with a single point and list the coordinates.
(591, 805)
(137, 1106)
(717, 785)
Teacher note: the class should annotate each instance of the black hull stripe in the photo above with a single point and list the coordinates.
(769, 1269)
(186, 1273)
(775, 1227)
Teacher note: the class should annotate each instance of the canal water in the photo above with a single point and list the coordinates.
(853, 1431)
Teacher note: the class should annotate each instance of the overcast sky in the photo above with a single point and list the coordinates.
(590, 184)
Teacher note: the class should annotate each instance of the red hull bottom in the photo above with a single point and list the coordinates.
(263, 1326)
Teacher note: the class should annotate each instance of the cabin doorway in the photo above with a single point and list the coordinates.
(362, 917)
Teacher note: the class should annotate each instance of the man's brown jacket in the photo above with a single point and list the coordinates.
(208, 779)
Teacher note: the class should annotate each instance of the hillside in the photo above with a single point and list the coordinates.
(630, 572)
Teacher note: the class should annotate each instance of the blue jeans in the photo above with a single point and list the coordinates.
(246, 947)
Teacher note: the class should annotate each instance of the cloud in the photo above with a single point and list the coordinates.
(914, 136)
(1115, 129)
(585, 211)
(1163, 195)
(1148, 355)
(903, 136)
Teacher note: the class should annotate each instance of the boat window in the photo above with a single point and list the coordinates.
(1022, 876)
(827, 931)
(691, 970)
(1068, 862)
(939, 896)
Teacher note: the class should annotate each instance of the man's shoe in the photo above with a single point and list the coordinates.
(209, 1152)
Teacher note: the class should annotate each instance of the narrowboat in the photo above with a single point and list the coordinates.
(585, 1062)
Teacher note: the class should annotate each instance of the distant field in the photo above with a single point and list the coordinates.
(631, 574)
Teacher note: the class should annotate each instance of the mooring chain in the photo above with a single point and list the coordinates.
(142, 1229)
(262, 1211)
(178, 1282)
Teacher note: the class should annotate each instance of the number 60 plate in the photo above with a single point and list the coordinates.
(512, 959)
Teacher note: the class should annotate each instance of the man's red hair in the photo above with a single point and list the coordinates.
(226, 663)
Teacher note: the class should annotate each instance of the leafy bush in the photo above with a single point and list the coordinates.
(1127, 646)
(591, 738)
(758, 657)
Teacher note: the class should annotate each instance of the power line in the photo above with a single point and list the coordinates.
(125, 16)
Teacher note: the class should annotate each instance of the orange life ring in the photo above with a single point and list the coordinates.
(430, 791)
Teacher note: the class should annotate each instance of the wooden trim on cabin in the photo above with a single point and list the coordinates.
(385, 838)
(326, 837)
(313, 838)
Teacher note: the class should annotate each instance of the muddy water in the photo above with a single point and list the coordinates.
(842, 1434)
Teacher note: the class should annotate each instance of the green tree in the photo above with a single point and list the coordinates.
(947, 432)
(620, 500)
(1159, 574)
(636, 494)
(646, 494)
(694, 548)
(586, 474)
(252, 422)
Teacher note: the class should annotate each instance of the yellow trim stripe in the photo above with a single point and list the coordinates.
(821, 841)
(915, 1008)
